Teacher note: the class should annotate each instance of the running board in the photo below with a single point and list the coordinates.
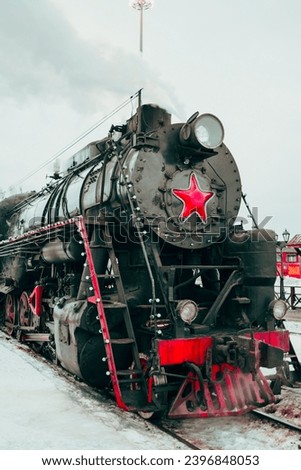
(235, 394)
(36, 337)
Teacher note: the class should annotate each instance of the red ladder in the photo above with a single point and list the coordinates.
(135, 398)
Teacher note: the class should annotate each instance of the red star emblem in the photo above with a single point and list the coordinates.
(194, 199)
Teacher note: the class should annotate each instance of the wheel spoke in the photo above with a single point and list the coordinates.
(10, 312)
(24, 310)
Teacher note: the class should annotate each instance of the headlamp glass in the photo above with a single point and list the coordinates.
(209, 131)
(187, 310)
(278, 309)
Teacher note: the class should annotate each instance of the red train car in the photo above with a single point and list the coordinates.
(290, 264)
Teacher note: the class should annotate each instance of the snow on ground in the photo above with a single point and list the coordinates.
(41, 410)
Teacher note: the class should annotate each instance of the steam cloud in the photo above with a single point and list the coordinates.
(43, 57)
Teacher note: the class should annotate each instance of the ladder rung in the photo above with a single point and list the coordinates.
(114, 305)
(105, 245)
(126, 372)
(150, 306)
(241, 300)
(107, 276)
(123, 341)
(130, 381)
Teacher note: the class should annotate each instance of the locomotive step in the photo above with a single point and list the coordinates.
(107, 276)
(241, 300)
(130, 373)
(136, 400)
(24, 329)
(114, 305)
(98, 246)
(125, 372)
(102, 245)
(40, 337)
(150, 306)
(131, 381)
(123, 341)
(27, 328)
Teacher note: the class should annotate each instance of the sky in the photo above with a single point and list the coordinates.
(66, 64)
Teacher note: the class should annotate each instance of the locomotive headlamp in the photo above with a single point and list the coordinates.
(205, 130)
(187, 310)
(209, 131)
(278, 309)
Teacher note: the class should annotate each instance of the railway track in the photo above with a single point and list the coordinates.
(276, 419)
(261, 429)
(287, 411)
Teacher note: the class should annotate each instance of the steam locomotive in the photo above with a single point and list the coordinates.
(130, 271)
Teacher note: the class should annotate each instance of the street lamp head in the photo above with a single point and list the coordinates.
(141, 4)
(286, 236)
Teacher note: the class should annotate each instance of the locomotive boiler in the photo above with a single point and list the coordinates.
(130, 271)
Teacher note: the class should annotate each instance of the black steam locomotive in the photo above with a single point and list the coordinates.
(129, 270)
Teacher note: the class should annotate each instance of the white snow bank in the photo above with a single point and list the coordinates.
(41, 410)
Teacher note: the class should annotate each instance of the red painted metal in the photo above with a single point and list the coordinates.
(177, 351)
(37, 232)
(277, 338)
(180, 350)
(35, 301)
(194, 199)
(289, 259)
(228, 391)
(150, 384)
(97, 299)
(236, 393)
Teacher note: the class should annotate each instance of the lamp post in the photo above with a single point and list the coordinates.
(141, 5)
(282, 245)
